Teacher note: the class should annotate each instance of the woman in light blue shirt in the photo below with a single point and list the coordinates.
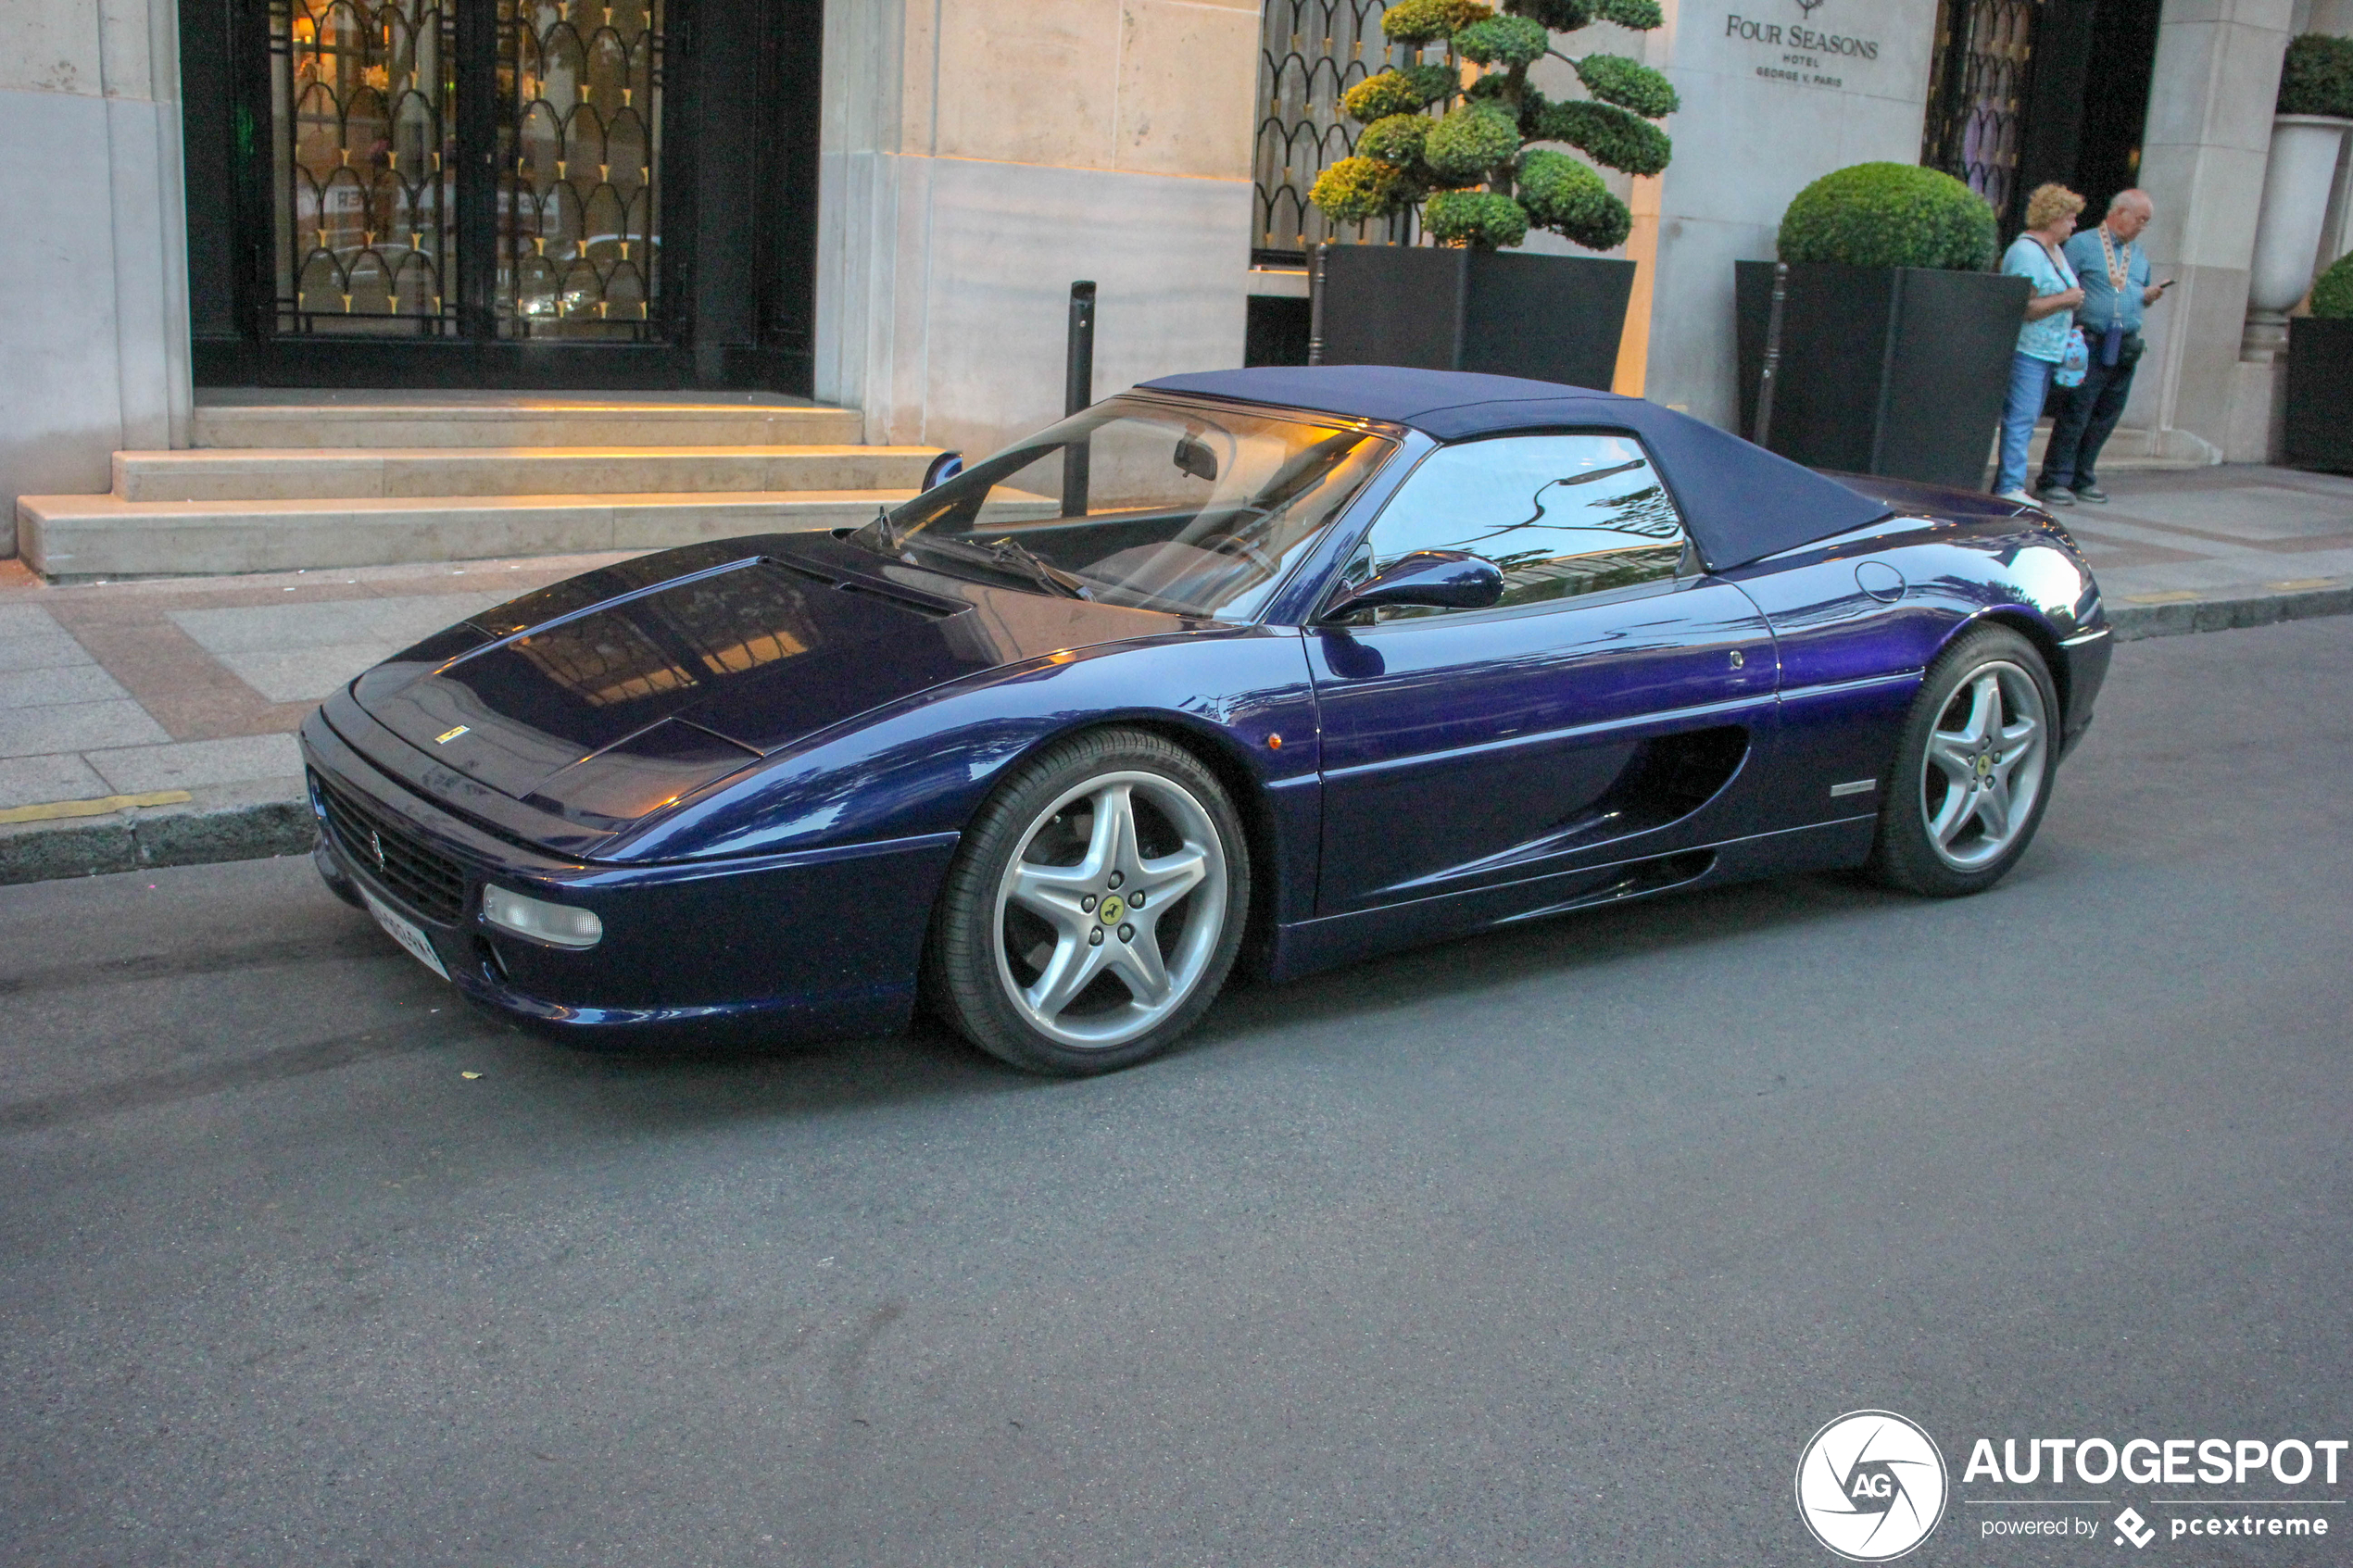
(2042, 340)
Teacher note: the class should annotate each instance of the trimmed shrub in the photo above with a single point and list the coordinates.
(1426, 21)
(1395, 139)
(1607, 135)
(1503, 41)
(1488, 220)
(1397, 92)
(1560, 15)
(2332, 292)
(2317, 76)
(1356, 190)
(1890, 215)
(1636, 15)
(1465, 162)
(1470, 142)
(1568, 198)
(1616, 79)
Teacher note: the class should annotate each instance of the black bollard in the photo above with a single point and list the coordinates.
(1316, 303)
(1763, 435)
(1078, 391)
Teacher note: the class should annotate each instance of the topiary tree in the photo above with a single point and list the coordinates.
(1890, 215)
(2333, 291)
(2317, 76)
(1463, 152)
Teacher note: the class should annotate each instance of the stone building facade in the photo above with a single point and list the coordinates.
(882, 204)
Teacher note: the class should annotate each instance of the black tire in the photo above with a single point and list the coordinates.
(981, 966)
(1907, 853)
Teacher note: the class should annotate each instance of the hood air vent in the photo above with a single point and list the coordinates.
(930, 607)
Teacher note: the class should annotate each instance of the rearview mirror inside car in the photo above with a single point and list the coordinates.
(1193, 457)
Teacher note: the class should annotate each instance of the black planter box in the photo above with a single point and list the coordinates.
(1506, 313)
(1895, 371)
(2320, 394)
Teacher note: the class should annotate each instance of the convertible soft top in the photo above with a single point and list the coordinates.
(1741, 502)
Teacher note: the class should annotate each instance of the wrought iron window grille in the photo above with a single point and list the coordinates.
(1978, 87)
(1310, 53)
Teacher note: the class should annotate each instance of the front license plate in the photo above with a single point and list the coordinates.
(405, 931)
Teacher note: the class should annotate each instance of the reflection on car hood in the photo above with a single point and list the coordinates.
(611, 695)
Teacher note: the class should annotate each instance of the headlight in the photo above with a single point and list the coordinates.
(559, 925)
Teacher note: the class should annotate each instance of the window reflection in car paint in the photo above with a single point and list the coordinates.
(1185, 508)
(710, 628)
(1561, 516)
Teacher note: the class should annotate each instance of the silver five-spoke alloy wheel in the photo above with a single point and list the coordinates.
(1108, 914)
(1982, 770)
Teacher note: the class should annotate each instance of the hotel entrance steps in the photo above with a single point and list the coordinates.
(285, 481)
(263, 473)
(485, 419)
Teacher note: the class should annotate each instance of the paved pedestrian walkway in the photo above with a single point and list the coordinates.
(2165, 537)
(151, 722)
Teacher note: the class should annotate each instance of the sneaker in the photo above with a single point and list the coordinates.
(2092, 494)
(2055, 496)
(2017, 498)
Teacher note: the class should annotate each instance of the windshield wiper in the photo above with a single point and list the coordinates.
(882, 536)
(1053, 578)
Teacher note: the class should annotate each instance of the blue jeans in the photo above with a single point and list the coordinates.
(2030, 383)
(2082, 419)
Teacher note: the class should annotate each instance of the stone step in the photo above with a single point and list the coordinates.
(363, 420)
(319, 473)
(2128, 451)
(80, 537)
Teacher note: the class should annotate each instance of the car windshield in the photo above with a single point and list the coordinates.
(1194, 510)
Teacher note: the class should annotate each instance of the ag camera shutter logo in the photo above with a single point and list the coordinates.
(1871, 1485)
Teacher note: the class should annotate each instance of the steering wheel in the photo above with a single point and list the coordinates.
(1235, 544)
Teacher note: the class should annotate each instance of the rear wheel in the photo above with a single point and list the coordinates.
(1095, 907)
(1974, 769)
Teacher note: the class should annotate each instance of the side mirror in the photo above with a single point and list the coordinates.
(1435, 579)
(945, 467)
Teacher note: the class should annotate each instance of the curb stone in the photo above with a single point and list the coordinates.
(2228, 611)
(225, 827)
(200, 832)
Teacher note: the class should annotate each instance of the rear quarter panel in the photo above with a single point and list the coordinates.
(1851, 663)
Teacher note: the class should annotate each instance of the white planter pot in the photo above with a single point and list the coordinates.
(2295, 203)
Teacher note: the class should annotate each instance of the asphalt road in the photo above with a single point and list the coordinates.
(1550, 1247)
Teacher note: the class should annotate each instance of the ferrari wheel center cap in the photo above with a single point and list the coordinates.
(1110, 910)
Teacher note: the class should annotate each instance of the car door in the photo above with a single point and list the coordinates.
(1468, 748)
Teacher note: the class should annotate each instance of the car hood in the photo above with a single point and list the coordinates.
(612, 695)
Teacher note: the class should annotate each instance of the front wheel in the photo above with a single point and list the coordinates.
(1974, 769)
(1095, 907)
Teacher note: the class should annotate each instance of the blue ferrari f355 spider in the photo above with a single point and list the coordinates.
(1280, 668)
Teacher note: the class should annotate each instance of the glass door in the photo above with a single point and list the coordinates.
(366, 160)
(467, 169)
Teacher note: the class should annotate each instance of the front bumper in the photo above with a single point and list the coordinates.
(2087, 655)
(821, 944)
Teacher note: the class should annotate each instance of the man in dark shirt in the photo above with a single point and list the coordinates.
(2114, 271)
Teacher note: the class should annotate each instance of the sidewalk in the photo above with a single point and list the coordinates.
(149, 723)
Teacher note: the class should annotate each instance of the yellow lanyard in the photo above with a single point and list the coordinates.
(2118, 276)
